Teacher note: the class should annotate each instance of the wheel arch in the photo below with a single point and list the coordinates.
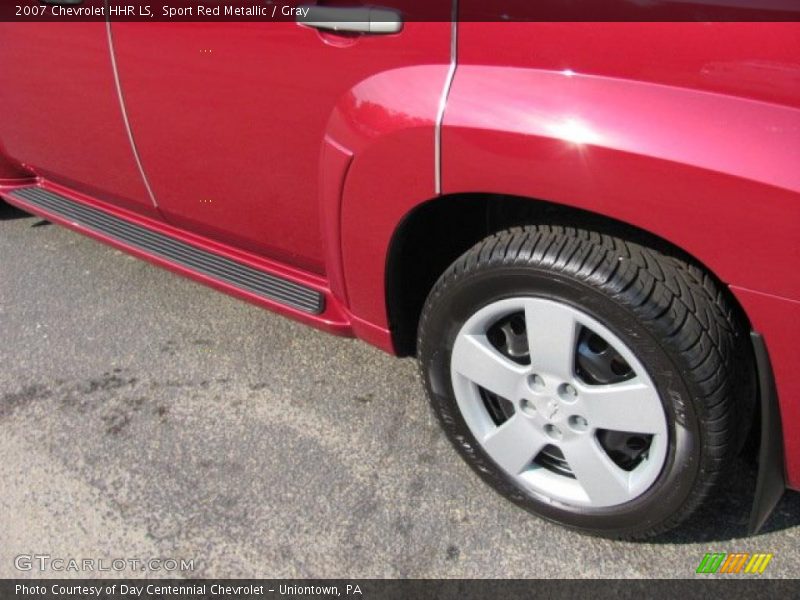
(662, 161)
(436, 232)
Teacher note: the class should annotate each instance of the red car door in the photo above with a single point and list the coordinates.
(229, 120)
(61, 113)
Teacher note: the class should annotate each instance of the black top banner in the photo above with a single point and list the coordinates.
(411, 10)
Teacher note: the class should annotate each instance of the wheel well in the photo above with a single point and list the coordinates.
(437, 232)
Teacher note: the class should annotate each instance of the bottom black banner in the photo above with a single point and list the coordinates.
(329, 589)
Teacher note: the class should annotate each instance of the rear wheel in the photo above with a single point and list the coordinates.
(593, 381)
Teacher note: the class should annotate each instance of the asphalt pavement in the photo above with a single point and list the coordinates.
(144, 415)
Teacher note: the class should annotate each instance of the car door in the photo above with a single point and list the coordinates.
(229, 119)
(60, 113)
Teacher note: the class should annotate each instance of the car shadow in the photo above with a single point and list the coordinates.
(8, 212)
(725, 516)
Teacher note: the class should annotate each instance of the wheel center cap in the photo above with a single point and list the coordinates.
(550, 409)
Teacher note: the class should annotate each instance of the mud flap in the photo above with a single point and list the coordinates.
(771, 482)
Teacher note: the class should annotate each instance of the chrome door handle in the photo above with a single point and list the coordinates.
(357, 19)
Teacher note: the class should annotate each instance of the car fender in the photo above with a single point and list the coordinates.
(377, 164)
(692, 167)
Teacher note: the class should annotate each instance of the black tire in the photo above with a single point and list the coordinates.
(672, 315)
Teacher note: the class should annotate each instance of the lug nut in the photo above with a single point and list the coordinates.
(567, 392)
(536, 382)
(527, 407)
(553, 431)
(578, 423)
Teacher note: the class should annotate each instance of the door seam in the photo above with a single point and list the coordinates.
(124, 110)
(448, 84)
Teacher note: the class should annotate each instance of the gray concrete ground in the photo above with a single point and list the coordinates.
(143, 415)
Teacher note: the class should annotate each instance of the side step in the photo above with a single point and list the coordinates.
(218, 267)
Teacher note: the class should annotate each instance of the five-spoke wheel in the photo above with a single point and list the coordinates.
(593, 381)
(543, 416)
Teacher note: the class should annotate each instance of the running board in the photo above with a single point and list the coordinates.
(223, 269)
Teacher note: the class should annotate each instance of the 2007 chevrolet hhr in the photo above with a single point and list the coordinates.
(587, 233)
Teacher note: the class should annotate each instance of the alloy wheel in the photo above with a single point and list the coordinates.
(559, 402)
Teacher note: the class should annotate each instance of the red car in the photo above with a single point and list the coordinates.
(587, 233)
